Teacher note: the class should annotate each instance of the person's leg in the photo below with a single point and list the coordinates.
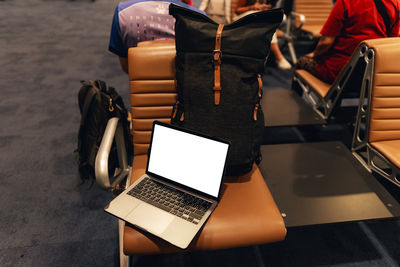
(279, 58)
(307, 63)
(276, 51)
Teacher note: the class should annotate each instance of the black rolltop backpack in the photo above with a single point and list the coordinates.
(218, 71)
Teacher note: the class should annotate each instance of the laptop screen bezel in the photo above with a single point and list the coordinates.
(178, 184)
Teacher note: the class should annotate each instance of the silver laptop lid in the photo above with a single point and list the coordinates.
(187, 158)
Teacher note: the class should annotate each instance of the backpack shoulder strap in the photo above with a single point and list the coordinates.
(385, 16)
(88, 100)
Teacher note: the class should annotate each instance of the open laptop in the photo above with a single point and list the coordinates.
(181, 186)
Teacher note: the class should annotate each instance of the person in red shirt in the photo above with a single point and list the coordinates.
(349, 23)
(188, 2)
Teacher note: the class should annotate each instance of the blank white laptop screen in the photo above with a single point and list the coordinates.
(188, 159)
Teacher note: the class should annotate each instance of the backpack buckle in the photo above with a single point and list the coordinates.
(110, 106)
(217, 56)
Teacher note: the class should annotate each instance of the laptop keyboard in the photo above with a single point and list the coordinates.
(183, 205)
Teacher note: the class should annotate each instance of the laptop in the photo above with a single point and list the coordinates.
(181, 186)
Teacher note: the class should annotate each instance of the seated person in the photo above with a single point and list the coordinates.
(245, 7)
(137, 20)
(349, 23)
(218, 10)
(189, 2)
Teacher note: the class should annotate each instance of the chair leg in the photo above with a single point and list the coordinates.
(123, 259)
(292, 51)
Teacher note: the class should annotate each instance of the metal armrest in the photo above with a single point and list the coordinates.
(113, 130)
(290, 29)
(301, 17)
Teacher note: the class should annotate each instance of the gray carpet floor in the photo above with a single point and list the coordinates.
(47, 47)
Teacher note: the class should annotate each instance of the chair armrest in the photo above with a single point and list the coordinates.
(113, 131)
(301, 17)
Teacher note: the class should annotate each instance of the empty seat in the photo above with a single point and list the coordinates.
(376, 141)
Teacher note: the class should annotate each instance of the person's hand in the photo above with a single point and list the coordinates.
(259, 7)
(265, 6)
(310, 55)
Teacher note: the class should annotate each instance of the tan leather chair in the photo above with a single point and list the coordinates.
(325, 97)
(247, 214)
(378, 147)
(157, 43)
(315, 13)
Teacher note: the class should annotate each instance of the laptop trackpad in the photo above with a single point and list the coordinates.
(150, 218)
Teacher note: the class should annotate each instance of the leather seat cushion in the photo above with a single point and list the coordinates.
(390, 149)
(319, 86)
(246, 200)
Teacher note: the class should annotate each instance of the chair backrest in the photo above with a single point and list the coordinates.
(156, 43)
(384, 109)
(316, 13)
(152, 88)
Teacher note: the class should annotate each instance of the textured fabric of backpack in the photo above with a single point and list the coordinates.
(238, 116)
(98, 102)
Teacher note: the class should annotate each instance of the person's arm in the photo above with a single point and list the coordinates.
(228, 11)
(203, 5)
(241, 7)
(123, 61)
(324, 44)
(116, 44)
(331, 29)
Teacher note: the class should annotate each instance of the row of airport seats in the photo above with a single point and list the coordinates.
(153, 93)
(372, 75)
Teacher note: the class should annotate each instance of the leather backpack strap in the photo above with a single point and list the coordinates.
(217, 55)
(259, 94)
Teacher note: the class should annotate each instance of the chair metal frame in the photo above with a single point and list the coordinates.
(293, 28)
(361, 149)
(324, 106)
(290, 29)
(112, 132)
